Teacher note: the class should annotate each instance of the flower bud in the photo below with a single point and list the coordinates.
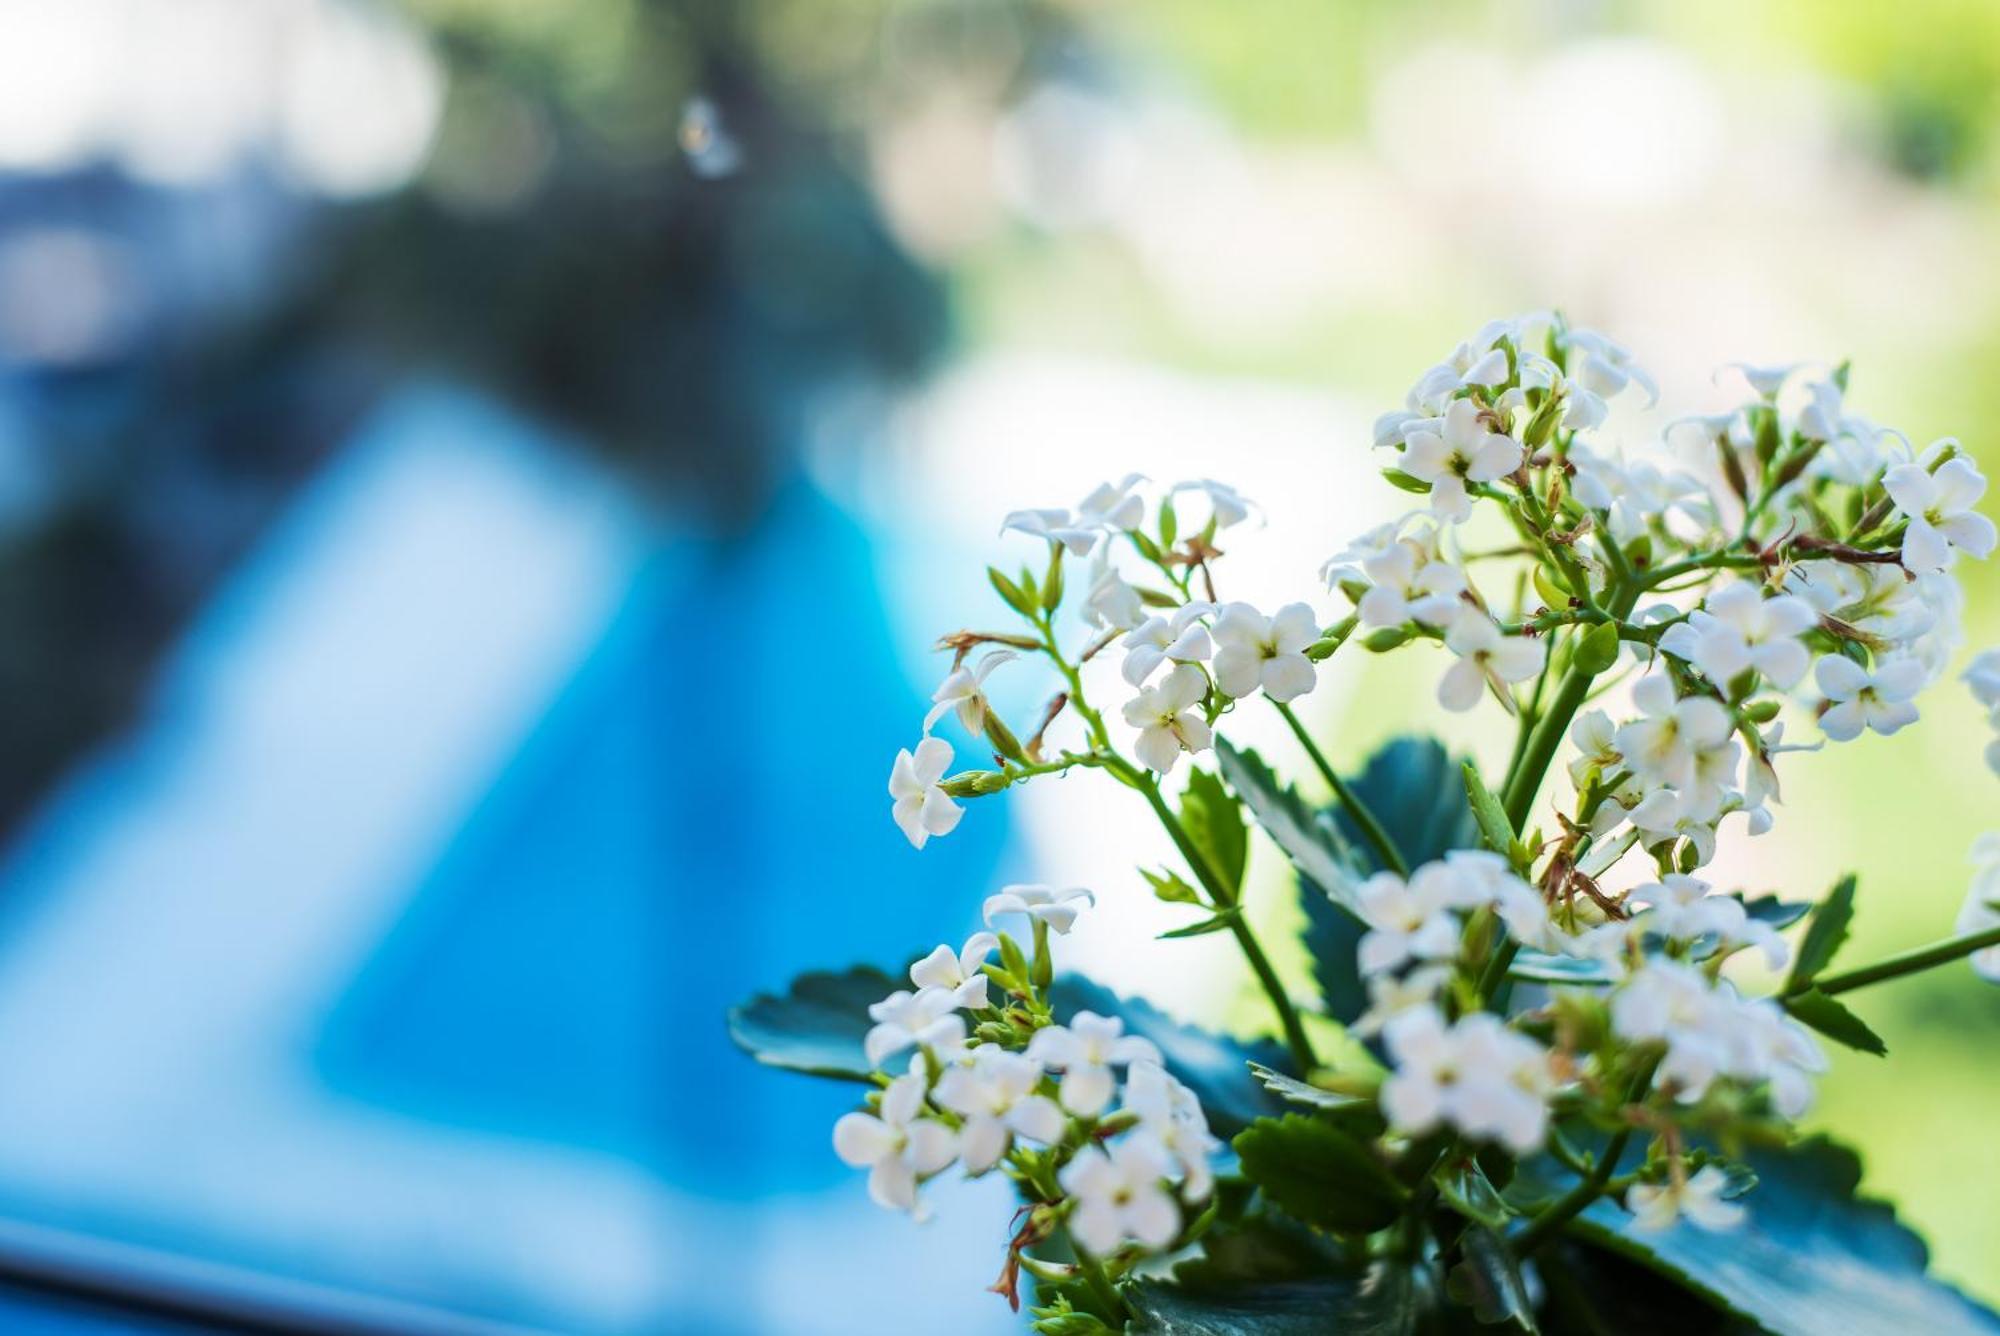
(976, 783)
(1386, 639)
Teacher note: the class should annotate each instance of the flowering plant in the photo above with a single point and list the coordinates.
(1539, 1083)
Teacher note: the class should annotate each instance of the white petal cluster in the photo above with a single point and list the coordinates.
(1982, 676)
(1168, 719)
(1712, 1033)
(1487, 658)
(1110, 508)
(921, 806)
(1699, 1198)
(1489, 1082)
(1981, 911)
(1085, 1051)
(1254, 652)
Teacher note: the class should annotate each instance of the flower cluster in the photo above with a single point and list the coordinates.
(1653, 621)
(1085, 1118)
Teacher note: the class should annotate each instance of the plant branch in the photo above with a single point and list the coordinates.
(1371, 826)
(1909, 962)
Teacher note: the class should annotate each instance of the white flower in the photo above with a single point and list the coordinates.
(1171, 1116)
(1982, 675)
(1665, 744)
(1982, 904)
(1699, 1199)
(957, 973)
(897, 1145)
(1940, 508)
(995, 1095)
(1483, 1078)
(1254, 651)
(1410, 581)
(1665, 815)
(1392, 427)
(1485, 656)
(922, 808)
(927, 1018)
(1167, 721)
(1681, 907)
(1226, 504)
(1110, 601)
(1463, 450)
(964, 690)
(1606, 366)
(1181, 638)
(1738, 630)
(1860, 700)
(1109, 507)
(1120, 1195)
(1085, 1051)
(1390, 995)
(1406, 921)
(1057, 908)
(1768, 380)
(1595, 739)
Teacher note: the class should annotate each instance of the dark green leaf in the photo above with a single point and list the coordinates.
(1813, 1258)
(1466, 1189)
(1215, 1066)
(1385, 1307)
(1417, 792)
(1260, 1249)
(1213, 923)
(1214, 820)
(1778, 913)
(817, 1026)
(1835, 1021)
(1318, 1173)
(1539, 967)
(1592, 1292)
(1489, 1281)
(1294, 1091)
(1825, 931)
(1289, 821)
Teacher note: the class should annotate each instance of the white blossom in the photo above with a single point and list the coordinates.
(1858, 699)
(1182, 638)
(897, 1145)
(1120, 1196)
(1228, 506)
(1409, 580)
(1981, 911)
(964, 690)
(1110, 507)
(1167, 721)
(1085, 1051)
(1171, 1116)
(1057, 908)
(1698, 1199)
(1254, 651)
(1682, 908)
(1463, 449)
(995, 1096)
(927, 1018)
(1110, 602)
(921, 806)
(1665, 745)
(1739, 630)
(1406, 921)
(957, 972)
(1486, 1080)
(1767, 380)
(1940, 510)
(1485, 656)
(1982, 677)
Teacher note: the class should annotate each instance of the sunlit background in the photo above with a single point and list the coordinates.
(479, 480)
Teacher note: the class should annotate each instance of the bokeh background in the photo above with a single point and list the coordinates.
(479, 480)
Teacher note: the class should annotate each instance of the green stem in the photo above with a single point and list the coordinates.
(1392, 857)
(1573, 1203)
(1222, 898)
(1909, 962)
(1094, 1276)
(1525, 780)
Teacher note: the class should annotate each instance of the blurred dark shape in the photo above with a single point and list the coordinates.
(205, 348)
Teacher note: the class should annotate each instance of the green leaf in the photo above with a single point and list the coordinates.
(1491, 817)
(1489, 1281)
(1294, 1091)
(1318, 1174)
(1415, 789)
(1835, 1021)
(1399, 479)
(1010, 593)
(1595, 1293)
(1465, 1187)
(1169, 886)
(1214, 923)
(1539, 967)
(1813, 1258)
(1313, 848)
(1259, 1249)
(1215, 1066)
(1350, 1307)
(1213, 817)
(1825, 931)
(1778, 913)
(1596, 649)
(817, 1026)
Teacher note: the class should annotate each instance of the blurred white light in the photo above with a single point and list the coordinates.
(359, 101)
(1611, 122)
(1064, 157)
(180, 93)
